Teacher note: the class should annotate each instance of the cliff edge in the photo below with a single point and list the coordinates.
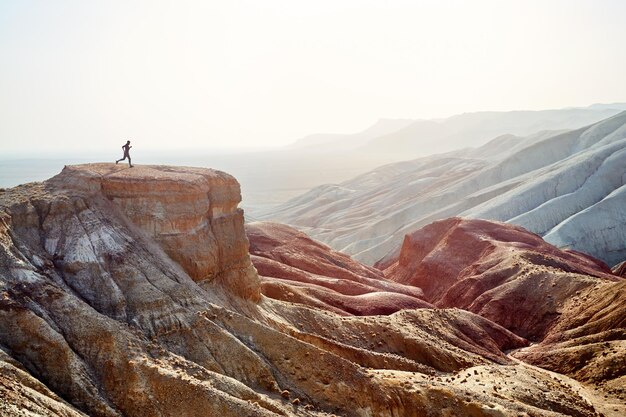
(191, 213)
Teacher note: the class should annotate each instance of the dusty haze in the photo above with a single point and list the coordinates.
(82, 76)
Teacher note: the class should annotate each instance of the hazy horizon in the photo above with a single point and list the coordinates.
(269, 177)
(112, 147)
(82, 76)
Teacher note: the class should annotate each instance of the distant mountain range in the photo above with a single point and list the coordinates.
(567, 186)
(406, 138)
(350, 141)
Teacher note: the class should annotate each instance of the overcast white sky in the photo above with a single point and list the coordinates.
(89, 74)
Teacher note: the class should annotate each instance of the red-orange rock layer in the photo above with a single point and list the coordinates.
(497, 270)
(294, 267)
(191, 212)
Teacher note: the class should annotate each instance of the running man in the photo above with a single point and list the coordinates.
(126, 149)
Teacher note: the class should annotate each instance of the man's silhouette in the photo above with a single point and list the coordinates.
(126, 149)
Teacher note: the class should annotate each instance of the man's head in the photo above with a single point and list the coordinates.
(128, 142)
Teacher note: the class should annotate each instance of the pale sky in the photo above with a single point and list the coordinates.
(191, 74)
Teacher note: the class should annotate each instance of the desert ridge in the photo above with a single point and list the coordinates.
(101, 303)
(567, 186)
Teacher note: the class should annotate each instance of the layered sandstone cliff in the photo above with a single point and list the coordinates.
(190, 212)
(129, 292)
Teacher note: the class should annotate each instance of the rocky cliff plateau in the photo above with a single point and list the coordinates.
(130, 292)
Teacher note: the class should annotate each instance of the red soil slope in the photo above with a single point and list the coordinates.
(498, 270)
(294, 267)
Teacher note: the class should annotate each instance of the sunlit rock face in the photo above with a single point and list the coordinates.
(117, 300)
(190, 212)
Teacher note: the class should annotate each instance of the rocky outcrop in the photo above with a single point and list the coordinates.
(190, 212)
(499, 271)
(90, 303)
(23, 395)
(102, 314)
(295, 268)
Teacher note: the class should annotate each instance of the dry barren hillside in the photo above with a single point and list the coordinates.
(130, 292)
(567, 187)
(294, 267)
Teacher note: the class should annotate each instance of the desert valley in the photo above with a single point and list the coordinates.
(288, 208)
(480, 284)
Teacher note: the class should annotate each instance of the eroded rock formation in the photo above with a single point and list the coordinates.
(117, 301)
(190, 212)
(568, 302)
(497, 270)
(569, 187)
(588, 341)
(620, 269)
(295, 268)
